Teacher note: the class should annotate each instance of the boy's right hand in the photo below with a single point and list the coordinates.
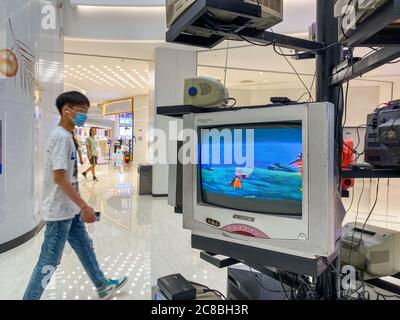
(87, 214)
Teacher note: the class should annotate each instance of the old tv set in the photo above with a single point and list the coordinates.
(282, 198)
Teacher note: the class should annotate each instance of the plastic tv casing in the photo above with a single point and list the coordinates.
(317, 232)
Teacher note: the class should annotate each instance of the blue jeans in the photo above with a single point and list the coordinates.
(56, 235)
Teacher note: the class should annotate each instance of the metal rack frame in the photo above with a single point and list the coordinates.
(371, 32)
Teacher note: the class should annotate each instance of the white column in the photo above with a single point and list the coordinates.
(171, 68)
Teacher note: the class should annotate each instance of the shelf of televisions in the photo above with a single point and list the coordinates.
(379, 31)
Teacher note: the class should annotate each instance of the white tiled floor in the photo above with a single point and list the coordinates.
(141, 237)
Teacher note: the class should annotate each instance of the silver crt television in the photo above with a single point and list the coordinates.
(273, 186)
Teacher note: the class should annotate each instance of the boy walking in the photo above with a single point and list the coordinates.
(63, 209)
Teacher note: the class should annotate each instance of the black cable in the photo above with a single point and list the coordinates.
(372, 209)
(215, 291)
(352, 200)
(234, 103)
(256, 43)
(303, 52)
(283, 287)
(261, 285)
(199, 284)
(207, 289)
(366, 220)
(312, 84)
(345, 104)
(358, 135)
(355, 224)
(295, 71)
(298, 100)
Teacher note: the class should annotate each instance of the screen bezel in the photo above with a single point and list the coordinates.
(275, 227)
(200, 196)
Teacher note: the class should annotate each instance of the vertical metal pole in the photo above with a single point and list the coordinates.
(327, 33)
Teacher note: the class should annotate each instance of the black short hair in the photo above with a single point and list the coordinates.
(90, 131)
(73, 98)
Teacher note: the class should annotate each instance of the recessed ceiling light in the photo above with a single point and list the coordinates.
(92, 67)
(118, 67)
(79, 66)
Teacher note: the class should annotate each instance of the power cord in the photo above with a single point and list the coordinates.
(366, 220)
(206, 289)
(261, 284)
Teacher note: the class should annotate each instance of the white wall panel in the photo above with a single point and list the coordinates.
(26, 124)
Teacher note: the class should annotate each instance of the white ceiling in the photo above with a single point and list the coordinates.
(249, 67)
(106, 78)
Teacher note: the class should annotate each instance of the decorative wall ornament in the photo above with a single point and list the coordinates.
(8, 63)
(25, 62)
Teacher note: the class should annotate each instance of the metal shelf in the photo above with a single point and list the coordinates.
(373, 61)
(186, 31)
(366, 171)
(371, 32)
(178, 111)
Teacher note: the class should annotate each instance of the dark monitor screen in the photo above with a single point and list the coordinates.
(269, 181)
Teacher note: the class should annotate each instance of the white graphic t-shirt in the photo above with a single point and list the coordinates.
(61, 154)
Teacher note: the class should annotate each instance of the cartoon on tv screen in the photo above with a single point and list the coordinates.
(272, 184)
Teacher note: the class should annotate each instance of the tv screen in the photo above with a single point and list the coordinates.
(269, 181)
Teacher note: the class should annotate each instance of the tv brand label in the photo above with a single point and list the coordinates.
(239, 217)
(213, 222)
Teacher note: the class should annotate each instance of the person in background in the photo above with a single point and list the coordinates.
(92, 153)
(78, 147)
(63, 209)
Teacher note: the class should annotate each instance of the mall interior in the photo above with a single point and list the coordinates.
(131, 65)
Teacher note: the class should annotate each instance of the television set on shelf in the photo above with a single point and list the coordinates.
(264, 178)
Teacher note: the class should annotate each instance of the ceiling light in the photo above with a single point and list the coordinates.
(92, 67)
(79, 66)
